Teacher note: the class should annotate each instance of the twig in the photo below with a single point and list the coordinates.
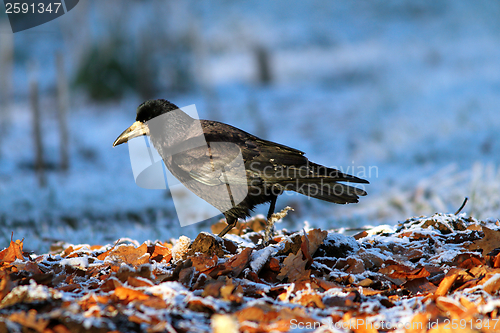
(62, 109)
(462, 207)
(37, 134)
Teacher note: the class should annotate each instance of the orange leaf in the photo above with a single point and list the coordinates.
(414, 274)
(129, 254)
(13, 252)
(128, 295)
(488, 243)
(491, 283)
(6, 285)
(236, 264)
(447, 282)
(450, 307)
(294, 268)
(29, 320)
(421, 285)
(309, 299)
(138, 282)
(203, 262)
(161, 253)
(315, 239)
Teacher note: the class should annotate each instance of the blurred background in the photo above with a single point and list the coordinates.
(405, 93)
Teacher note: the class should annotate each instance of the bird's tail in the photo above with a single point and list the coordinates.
(325, 183)
(327, 191)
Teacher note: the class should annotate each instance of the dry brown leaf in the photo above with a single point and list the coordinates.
(496, 261)
(203, 262)
(104, 255)
(6, 285)
(419, 323)
(161, 253)
(201, 305)
(136, 282)
(491, 283)
(236, 264)
(315, 238)
(294, 268)
(447, 282)
(30, 320)
(128, 294)
(404, 272)
(129, 254)
(421, 285)
(70, 251)
(13, 252)
(304, 246)
(450, 307)
(309, 299)
(488, 243)
(414, 274)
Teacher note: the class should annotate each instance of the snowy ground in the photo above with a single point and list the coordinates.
(408, 91)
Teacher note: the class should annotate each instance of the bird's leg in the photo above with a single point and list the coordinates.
(231, 223)
(272, 206)
(268, 234)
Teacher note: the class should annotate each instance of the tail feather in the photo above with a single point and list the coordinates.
(331, 192)
(334, 174)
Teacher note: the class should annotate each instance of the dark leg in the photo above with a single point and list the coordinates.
(272, 206)
(231, 223)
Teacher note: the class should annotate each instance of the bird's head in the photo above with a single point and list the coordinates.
(145, 112)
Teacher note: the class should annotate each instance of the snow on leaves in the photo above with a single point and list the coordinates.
(428, 274)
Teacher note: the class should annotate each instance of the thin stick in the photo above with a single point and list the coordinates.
(37, 134)
(462, 207)
(6, 65)
(62, 109)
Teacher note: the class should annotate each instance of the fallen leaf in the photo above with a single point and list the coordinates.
(129, 254)
(447, 282)
(403, 272)
(491, 283)
(309, 299)
(488, 243)
(235, 264)
(161, 253)
(294, 268)
(203, 262)
(315, 238)
(129, 295)
(13, 252)
(450, 307)
(30, 320)
(6, 284)
(420, 286)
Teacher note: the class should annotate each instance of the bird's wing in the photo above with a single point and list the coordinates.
(213, 164)
(232, 156)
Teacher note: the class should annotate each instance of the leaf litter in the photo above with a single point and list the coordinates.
(427, 274)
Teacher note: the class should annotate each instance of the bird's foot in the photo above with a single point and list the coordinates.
(230, 225)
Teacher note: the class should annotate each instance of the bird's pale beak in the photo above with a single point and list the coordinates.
(137, 129)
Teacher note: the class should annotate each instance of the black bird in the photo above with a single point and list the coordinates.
(231, 169)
